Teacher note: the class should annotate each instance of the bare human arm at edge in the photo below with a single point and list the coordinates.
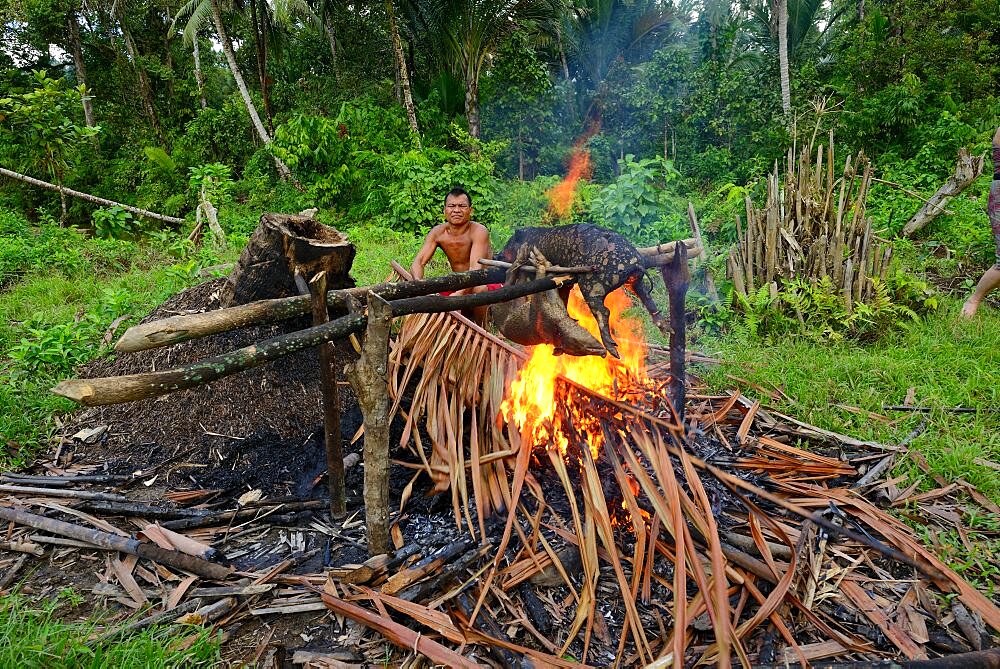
(480, 246)
(425, 254)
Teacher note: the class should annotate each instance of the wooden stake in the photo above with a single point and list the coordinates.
(676, 276)
(369, 377)
(331, 403)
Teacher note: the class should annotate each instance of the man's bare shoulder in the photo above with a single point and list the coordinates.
(436, 231)
(479, 230)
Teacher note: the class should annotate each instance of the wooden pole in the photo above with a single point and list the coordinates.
(331, 403)
(369, 377)
(191, 326)
(676, 277)
(117, 389)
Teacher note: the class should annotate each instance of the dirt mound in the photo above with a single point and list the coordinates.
(279, 403)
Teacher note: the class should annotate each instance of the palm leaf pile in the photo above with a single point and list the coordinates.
(719, 541)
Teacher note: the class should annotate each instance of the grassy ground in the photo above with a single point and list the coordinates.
(945, 362)
(38, 635)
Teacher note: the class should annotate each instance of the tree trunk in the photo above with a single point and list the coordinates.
(281, 246)
(472, 102)
(331, 36)
(967, 170)
(404, 76)
(234, 68)
(145, 88)
(89, 198)
(76, 49)
(786, 95)
(260, 51)
(369, 378)
(197, 75)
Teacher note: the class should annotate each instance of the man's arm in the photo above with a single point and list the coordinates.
(480, 247)
(424, 255)
(996, 137)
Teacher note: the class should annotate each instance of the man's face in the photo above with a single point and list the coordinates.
(457, 210)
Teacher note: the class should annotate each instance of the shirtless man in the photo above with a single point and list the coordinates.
(991, 279)
(463, 241)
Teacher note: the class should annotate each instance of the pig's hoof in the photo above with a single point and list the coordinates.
(613, 350)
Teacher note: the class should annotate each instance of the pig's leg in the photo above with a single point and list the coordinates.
(636, 284)
(593, 294)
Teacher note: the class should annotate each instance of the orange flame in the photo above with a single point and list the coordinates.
(562, 194)
(544, 412)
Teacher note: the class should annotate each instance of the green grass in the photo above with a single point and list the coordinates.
(55, 310)
(948, 364)
(40, 635)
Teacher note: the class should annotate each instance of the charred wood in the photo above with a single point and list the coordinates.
(114, 542)
(677, 277)
(331, 403)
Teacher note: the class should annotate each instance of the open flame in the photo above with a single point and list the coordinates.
(544, 412)
(561, 195)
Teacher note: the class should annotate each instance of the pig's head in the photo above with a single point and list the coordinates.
(518, 240)
(572, 339)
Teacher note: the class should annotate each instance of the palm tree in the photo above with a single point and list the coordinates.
(786, 94)
(198, 12)
(404, 76)
(464, 33)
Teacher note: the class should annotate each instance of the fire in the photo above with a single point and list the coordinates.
(538, 403)
(561, 195)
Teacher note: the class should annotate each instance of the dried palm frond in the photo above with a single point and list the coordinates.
(647, 514)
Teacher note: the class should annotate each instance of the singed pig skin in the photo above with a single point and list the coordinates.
(541, 318)
(615, 260)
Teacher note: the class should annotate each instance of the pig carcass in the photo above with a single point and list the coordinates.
(615, 260)
(540, 318)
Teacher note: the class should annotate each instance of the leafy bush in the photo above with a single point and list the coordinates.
(361, 163)
(113, 222)
(817, 310)
(56, 348)
(639, 203)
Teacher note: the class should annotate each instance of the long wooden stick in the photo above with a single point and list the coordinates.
(331, 403)
(89, 198)
(117, 389)
(191, 326)
(114, 542)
